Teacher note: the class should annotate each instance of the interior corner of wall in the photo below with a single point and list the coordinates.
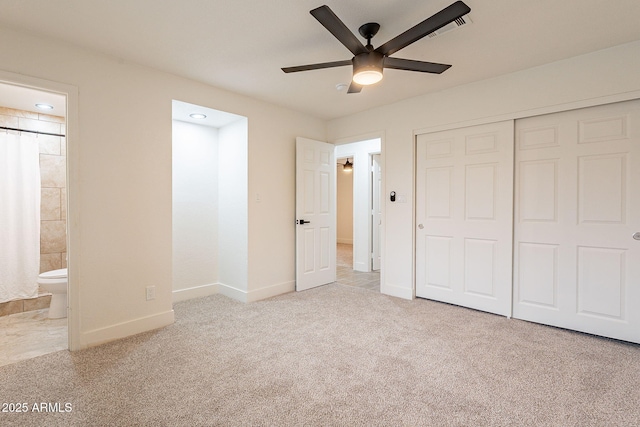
(195, 292)
(397, 291)
(271, 291)
(232, 292)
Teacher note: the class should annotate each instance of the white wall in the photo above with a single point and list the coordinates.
(119, 157)
(119, 160)
(598, 77)
(272, 198)
(233, 211)
(361, 153)
(195, 207)
(344, 196)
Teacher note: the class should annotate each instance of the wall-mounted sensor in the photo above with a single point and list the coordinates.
(392, 196)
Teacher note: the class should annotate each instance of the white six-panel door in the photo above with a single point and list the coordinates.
(577, 206)
(316, 206)
(464, 212)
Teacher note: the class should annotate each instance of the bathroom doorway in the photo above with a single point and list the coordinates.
(33, 125)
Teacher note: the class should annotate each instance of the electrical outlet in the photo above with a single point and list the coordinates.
(151, 293)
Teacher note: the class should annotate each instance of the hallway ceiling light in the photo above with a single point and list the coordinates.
(348, 166)
(45, 106)
(197, 116)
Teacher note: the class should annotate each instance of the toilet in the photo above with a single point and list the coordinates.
(55, 282)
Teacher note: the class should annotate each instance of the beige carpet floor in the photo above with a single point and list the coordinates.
(334, 356)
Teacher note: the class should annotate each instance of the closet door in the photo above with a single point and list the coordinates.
(576, 263)
(464, 216)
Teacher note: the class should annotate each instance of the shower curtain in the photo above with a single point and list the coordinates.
(19, 216)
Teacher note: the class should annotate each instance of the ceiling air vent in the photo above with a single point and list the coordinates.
(463, 20)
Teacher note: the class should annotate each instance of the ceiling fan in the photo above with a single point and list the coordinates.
(368, 62)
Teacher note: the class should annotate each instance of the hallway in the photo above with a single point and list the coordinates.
(347, 276)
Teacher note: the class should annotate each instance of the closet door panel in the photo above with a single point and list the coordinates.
(576, 264)
(464, 216)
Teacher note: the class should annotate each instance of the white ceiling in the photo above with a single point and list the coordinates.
(214, 118)
(240, 45)
(22, 98)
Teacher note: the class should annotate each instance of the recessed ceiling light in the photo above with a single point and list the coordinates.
(197, 116)
(45, 106)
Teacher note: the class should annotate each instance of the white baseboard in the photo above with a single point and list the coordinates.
(344, 241)
(271, 291)
(231, 292)
(126, 329)
(195, 292)
(361, 266)
(144, 324)
(256, 294)
(397, 291)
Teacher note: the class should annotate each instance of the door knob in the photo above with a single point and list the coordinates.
(636, 235)
(302, 221)
(420, 226)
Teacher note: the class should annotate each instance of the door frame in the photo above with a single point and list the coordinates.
(72, 166)
(347, 152)
(374, 229)
(361, 151)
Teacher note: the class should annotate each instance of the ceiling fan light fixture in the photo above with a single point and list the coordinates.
(368, 62)
(367, 68)
(348, 166)
(367, 77)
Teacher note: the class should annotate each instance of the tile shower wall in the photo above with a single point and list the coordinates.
(53, 215)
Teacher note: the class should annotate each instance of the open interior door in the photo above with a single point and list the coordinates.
(315, 214)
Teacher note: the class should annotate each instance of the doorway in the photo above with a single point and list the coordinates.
(33, 123)
(358, 194)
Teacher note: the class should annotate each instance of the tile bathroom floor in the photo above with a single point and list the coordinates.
(30, 334)
(345, 274)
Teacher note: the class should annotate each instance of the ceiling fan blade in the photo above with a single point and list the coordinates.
(411, 65)
(316, 66)
(340, 31)
(354, 88)
(429, 25)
